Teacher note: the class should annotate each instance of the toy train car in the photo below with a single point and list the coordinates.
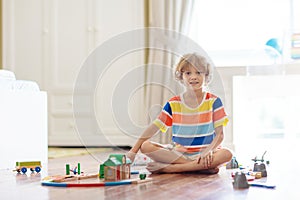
(32, 165)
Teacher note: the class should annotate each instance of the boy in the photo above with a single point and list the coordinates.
(197, 118)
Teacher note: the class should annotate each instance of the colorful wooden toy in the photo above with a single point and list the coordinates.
(67, 169)
(115, 168)
(264, 185)
(32, 165)
(240, 181)
(258, 175)
(259, 165)
(115, 171)
(233, 164)
(67, 178)
(142, 176)
(95, 184)
(75, 170)
(249, 176)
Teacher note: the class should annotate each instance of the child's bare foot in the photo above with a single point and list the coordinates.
(158, 167)
(209, 171)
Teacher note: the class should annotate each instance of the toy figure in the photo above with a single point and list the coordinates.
(240, 181)
(260, 167)
(233, 164)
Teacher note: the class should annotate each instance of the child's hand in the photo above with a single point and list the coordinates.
(206, 159)
(131, 155)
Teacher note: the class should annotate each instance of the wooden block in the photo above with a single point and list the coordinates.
(66, 178)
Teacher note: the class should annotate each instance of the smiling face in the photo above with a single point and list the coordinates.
(193, 71)
(193, 78)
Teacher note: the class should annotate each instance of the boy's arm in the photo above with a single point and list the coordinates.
(218, 139)
(148, 133)
(213, 145)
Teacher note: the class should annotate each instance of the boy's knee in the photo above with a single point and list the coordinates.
(146, 147)
(227, 154)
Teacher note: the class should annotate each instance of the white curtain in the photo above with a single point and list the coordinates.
(171, 15)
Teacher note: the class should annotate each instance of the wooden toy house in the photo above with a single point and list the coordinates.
(116, 167)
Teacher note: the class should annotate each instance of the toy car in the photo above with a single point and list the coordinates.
(32, 165)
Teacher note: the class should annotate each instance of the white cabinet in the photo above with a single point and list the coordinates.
(67, 42)
(47, 41)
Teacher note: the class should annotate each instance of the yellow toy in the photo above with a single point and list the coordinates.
(32, 165)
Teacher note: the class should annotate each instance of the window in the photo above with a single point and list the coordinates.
(234, 32)
(265, 115)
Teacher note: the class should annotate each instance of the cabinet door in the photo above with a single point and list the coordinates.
(69, 31)
(76, 29)
(22, 39)
(68, 42)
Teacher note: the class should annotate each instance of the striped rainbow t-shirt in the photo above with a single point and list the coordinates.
(192, 128)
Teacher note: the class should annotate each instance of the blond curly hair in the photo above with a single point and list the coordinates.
(193, 60)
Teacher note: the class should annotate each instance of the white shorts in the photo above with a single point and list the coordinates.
(171, 147)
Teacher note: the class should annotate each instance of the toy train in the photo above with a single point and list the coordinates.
(32, 165)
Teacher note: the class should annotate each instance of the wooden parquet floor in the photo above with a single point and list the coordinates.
(163, 186)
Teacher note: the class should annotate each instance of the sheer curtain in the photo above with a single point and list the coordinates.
(171, 15)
